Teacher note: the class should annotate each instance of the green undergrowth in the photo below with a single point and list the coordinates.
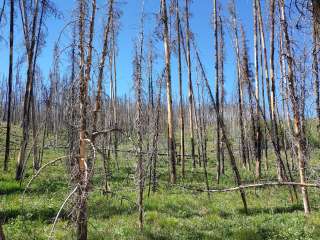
(173, 212)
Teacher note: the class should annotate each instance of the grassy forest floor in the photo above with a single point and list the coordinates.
(173, 212)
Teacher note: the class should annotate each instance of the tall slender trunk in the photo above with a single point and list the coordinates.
(247, 80)
(82, 181)
(257, 93)
(7, 151)
(202, 134)
(114, 89)
(190, 87)
(84, 78)
(226, 140)
(239, 86)
(315, 54)
(272, 81)
(101, 67)
(270, 92)
(30, 46)
(298, 124)
(36, 164)
(171, 140)
(265, 138)
(156, 138)
(222, 98)
(181, 111)
(216, 66)
(139, 129)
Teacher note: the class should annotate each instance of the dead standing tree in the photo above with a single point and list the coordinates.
(299, 137)
(270, 84)
(190, 87)
(225, 137)
(243, 146)
(171, 138)
(181, 106)
(84, 78)
(140, 171)
(217, 73)
(257, 94)
(30, 38)
(98, 100)
(139, 131)
(246, 79)
(315, 54)
(222, 90)
(7, 151)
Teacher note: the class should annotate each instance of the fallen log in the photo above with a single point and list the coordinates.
(257, 185)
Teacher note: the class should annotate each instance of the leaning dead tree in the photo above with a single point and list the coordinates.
(98, 98)
(31, 28)
(299, 137)
(225, 137)
(81, 112)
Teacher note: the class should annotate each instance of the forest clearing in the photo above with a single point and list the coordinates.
(160, 119)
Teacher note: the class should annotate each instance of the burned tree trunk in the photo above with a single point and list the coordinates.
(181, 111)
(222, 91)
(84, 78)
(190, 87)
(257, 94)
(315, 54)
(243, 151)
(245, 70)
(217, 93)
(171, 138)
(270, 89)
(30, 42)
(138, 126)
(298, 123)
(7, 151)
(98, 101)
(226, 140)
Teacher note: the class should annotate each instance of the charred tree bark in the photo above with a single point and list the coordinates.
(315, 54)
(217, 92)
(181, 111)
(247, 80)
(243, 151)
(257, 94)
(222, 93)
(84, 78)
(190, 87)
(7, 151)
(298, 124)
(98, 101)
(30, 42)
(226, 140)
(171, 138)
(270, 89)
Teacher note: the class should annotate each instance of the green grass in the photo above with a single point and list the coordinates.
(172, 212)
